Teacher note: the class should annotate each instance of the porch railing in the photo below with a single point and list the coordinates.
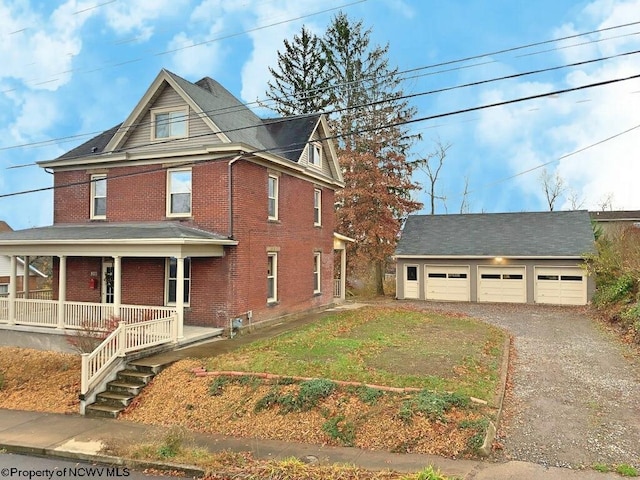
(126, 338)
(78, 315)
(42, 294)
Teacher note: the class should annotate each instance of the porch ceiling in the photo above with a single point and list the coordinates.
(154, 239)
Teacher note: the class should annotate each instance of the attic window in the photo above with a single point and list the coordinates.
(315, 154)
(169, 123)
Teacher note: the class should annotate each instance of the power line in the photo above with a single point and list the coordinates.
(166, 52)
(363, 130)
(229, 110)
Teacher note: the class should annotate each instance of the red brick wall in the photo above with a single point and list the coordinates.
(221, 288)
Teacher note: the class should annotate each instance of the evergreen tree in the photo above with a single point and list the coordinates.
(369, 118)
(300, 83)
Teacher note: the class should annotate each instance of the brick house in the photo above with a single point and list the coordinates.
(196, 204)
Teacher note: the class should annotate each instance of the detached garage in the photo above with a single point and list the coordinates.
(526, 257)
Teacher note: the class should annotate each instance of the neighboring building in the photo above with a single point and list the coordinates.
(196, 203)
(36, 277)
(612, 220)
(532, 257)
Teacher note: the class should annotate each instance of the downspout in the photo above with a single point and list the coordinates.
(230, 199)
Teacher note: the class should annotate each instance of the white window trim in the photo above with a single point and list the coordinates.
(317, 205)
(274, 275)
(167, 266)
(157, 111)
(312, 149)
(168, 206)
(94, 178)
(276, 198)
(317, 272)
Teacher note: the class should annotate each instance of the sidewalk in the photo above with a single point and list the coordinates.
(78, 437)
(81, 438)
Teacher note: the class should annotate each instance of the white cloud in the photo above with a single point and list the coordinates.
(523, 138)
(39, 49)
(135, 16)
(35, 113)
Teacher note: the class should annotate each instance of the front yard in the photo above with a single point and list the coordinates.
(444, 359)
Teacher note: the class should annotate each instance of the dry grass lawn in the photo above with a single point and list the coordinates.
(39, 381)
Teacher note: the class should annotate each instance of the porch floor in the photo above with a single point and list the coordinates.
(194, 334)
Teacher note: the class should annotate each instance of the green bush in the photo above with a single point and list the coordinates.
(369, 395)
(338, 429)
(620, 290)
(477, 439)
(309, 394)
(217, 386)
(433, 405)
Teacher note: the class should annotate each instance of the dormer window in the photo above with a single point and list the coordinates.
(315, 154)
(169, 123)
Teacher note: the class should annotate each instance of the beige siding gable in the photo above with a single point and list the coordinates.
(199, 133)
(317, 136)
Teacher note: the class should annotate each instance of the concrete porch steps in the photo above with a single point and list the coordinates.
(121, 391)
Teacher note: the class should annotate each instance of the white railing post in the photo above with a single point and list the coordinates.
(84, 377)
(26, 276)
(174, 328)
(122, 340)
(62, 290)
(12, 289)
(180, 295)
(117, 285)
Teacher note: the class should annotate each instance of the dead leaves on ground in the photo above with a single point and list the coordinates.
(39, 381)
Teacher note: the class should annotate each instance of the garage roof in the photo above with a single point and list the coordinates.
(522, 234)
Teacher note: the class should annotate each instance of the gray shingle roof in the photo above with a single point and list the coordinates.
(613, 215)
(286, 137)
(525, 234)
(112, 231)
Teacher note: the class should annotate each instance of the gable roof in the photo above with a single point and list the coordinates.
(525, 234)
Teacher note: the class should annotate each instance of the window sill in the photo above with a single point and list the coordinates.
(317, 294)
(274, 220)
(272, 303)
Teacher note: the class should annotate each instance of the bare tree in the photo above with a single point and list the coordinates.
(553, 186)
(606, 202)
(464, 205)
(431, 165)
(575, 201)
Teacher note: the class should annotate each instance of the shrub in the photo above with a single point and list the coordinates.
(477, 439)
(308, 396)
(91, 334)
(626, 470)
(217, 386)
(433, 405)
(620, 290)
(338, 429)
(369, 395)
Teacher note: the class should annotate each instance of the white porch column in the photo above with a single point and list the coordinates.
(180, 295)
(13, 280)
(26, 277)
(117, 285)
(343, 273)
(62, 289)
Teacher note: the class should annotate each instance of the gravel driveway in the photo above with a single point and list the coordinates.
(575, 396)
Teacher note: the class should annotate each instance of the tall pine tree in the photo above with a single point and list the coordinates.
(368, 115)
(300, 83)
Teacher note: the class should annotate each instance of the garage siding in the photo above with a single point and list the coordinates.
(473, 265)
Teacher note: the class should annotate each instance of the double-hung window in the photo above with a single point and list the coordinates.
(170, 123)
(317, 207)
(273, 197)
(315, 154)
(98, 196)
(317, 267)
(179, 192)
(272, 277)
(172, 280)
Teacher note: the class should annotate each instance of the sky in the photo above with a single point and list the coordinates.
(71, 69)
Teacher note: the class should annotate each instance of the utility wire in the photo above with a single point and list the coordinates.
(363, 130)
(228, 110)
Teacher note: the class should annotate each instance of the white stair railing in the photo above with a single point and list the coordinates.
(124, 339)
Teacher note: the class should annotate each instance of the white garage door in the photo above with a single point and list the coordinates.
(561, 285)
(502, 284)
(447, 283)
